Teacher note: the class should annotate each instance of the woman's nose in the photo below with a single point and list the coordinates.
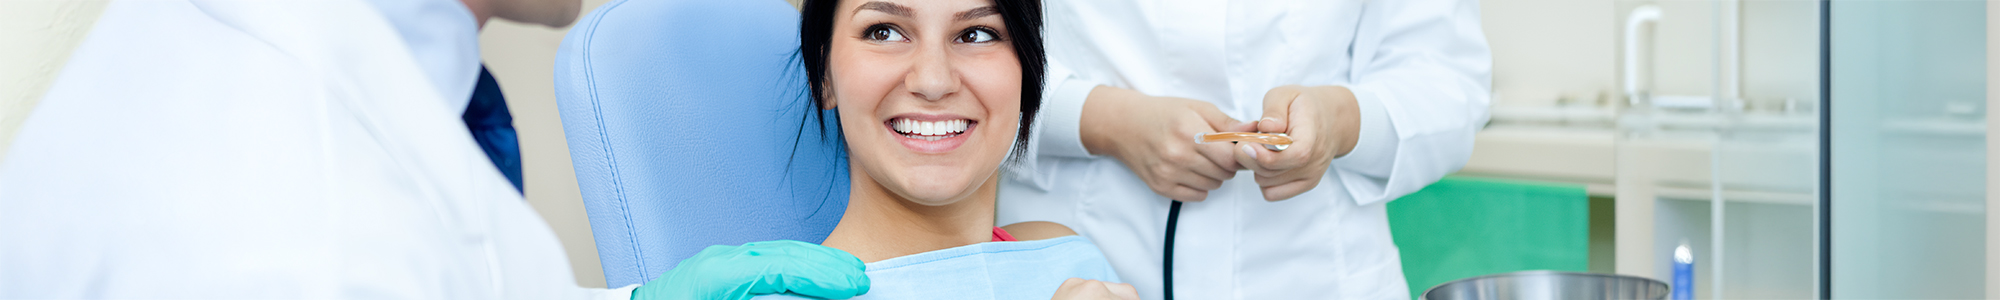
(932, 77)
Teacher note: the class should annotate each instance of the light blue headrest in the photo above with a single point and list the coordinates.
(687, 124)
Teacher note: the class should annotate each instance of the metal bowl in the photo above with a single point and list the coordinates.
(1549, 285)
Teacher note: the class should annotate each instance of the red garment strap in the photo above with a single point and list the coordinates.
(1000, 235)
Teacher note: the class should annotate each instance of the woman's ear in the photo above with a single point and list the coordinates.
(828, 97)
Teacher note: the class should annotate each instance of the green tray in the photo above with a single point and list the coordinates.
(1462, 227)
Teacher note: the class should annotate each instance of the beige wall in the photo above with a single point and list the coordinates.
(1549, 49)
(38, 36)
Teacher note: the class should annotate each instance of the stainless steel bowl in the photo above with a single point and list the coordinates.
(1548, 285)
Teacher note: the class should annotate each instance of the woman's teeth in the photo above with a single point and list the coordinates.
(929, 130)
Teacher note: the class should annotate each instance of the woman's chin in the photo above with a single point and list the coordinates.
(935, 192)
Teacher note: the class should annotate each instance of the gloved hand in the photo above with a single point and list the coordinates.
(760, 268)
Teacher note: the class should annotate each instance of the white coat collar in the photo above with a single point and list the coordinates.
(443, 36)
(368, 72)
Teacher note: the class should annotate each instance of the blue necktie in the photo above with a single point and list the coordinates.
(493, 127)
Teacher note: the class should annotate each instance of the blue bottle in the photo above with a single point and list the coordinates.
(1683, 273)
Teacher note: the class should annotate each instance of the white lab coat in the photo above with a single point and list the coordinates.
(248, 149)
(1420, 69)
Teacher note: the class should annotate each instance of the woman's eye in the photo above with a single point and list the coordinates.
(883, 33)
(977, 35)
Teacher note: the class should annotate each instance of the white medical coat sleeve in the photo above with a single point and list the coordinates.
(1423, 77)
(1057, 130)
(227, 149)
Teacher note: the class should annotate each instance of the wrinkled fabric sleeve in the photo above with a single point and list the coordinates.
(1423, 78)
(1056, 132)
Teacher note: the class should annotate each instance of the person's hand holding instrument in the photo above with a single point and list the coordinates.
(1150, 135)
(1323, 123)
(1271, 141)
(761, 268)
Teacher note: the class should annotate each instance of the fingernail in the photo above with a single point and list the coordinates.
(1267, 119)
(1251, 151)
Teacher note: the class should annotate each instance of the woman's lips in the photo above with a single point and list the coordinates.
(930, 134)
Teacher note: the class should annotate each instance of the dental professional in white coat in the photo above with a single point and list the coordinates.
(1381, 97)
(269, 150)
(294, 149)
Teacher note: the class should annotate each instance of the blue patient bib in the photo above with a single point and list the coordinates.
(993, 270)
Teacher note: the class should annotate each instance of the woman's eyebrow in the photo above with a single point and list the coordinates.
(976, 13)
(885, 7)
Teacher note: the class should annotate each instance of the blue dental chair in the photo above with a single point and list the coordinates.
(689, 126)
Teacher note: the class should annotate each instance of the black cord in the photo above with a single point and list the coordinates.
(1167, 265)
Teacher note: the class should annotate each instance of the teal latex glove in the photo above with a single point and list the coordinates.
(760, 268)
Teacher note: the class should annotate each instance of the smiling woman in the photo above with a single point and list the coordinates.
(931, 97)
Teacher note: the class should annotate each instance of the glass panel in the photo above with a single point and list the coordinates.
(1909, 145)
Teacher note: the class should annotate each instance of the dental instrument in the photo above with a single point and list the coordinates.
(1271, 141)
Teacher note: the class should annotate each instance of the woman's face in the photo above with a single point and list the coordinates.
(929, 93)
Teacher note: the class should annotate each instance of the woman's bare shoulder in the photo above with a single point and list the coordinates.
(1038, 230)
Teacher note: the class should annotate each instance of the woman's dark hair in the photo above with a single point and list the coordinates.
(1024, 30)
